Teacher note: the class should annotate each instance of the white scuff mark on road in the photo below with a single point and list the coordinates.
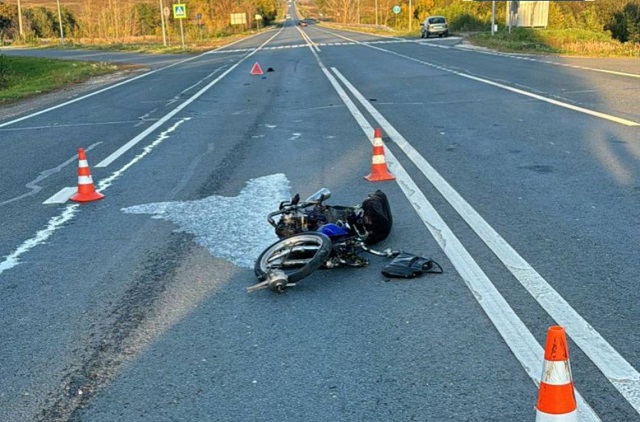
(295, 136)
(232, 228)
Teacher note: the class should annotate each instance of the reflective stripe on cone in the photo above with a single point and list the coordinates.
(556, 398)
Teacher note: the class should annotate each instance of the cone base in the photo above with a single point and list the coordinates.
(380, 177)
(86, 197)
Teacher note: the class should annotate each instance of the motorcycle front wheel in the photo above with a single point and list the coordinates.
(297, 256)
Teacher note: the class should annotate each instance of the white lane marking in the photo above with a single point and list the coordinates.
(69, 211)
(308, 39)
(227, 234)
(110, 87)
(41, 236)
(522, 343)
(142, 135)
(35, 188)
(508, 88)
(184, 91)
(533, 59)
(618, 371)
(62, 196)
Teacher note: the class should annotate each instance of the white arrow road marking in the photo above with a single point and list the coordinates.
(232, 228)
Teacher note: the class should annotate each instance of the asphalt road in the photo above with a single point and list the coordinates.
(519, 175)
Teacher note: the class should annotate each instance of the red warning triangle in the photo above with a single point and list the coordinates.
(256, 70)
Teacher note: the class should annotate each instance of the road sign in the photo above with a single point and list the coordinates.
(396, 9)
(179, 11)
(257, 17)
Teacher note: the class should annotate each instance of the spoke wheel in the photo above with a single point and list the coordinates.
(297, 256)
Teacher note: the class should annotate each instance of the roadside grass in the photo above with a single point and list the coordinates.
(23, 77)
(155, 45)
(573, 42)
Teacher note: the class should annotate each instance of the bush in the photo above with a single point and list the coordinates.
(5, 72)
(625, 25)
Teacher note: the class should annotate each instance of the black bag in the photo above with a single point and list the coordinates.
(406, 265)
(377, 217)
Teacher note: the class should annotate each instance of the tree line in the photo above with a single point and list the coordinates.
(620, 17)
(121, 20)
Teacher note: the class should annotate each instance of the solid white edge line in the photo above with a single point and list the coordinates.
(116, 85)
(615, 368)
(587, 111)
(516, 335)
(142, 135)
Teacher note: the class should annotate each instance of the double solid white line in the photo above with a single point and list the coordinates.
(624, 377)
(519, 339)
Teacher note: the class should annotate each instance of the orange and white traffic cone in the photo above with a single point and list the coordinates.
(556, 399)
(86, 190)
(379, 171)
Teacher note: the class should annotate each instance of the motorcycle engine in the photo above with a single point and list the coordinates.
(290, 224)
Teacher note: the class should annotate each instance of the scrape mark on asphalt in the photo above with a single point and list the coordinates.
(232, 228)
(121, 337)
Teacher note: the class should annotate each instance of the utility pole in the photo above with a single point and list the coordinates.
(376, 12)
(410, 15)
(20, 19)
(60, 20)
(493, 17)
(164, 33)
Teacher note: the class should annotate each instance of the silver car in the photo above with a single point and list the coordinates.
(434, 25)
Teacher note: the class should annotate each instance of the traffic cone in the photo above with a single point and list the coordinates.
(556, 399)
(256, 69)
(86, 190)
(379, 171)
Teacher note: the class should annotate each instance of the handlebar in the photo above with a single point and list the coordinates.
(288, 207)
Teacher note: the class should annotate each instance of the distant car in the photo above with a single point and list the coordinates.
(302, 23)
(434, 25)
(287, 16)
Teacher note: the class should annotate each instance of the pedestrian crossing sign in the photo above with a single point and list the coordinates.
(179, 11)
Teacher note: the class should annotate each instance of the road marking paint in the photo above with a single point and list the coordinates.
(62, 196)
(43, 175)
(69, 212)
(308, 39)
(594, 113)
(142, 135)
(41, 236)
(519, 339)
(532, 59)
(618, 370)
(107, 88)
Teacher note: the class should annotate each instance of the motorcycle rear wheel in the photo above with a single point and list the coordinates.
(298, 256)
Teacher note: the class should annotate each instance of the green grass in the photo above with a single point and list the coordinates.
(22, 77)
(575, 42)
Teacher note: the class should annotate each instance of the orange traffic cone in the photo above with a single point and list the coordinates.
(556, 399)
(256, 69)
(86, 190)
(379, 171)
